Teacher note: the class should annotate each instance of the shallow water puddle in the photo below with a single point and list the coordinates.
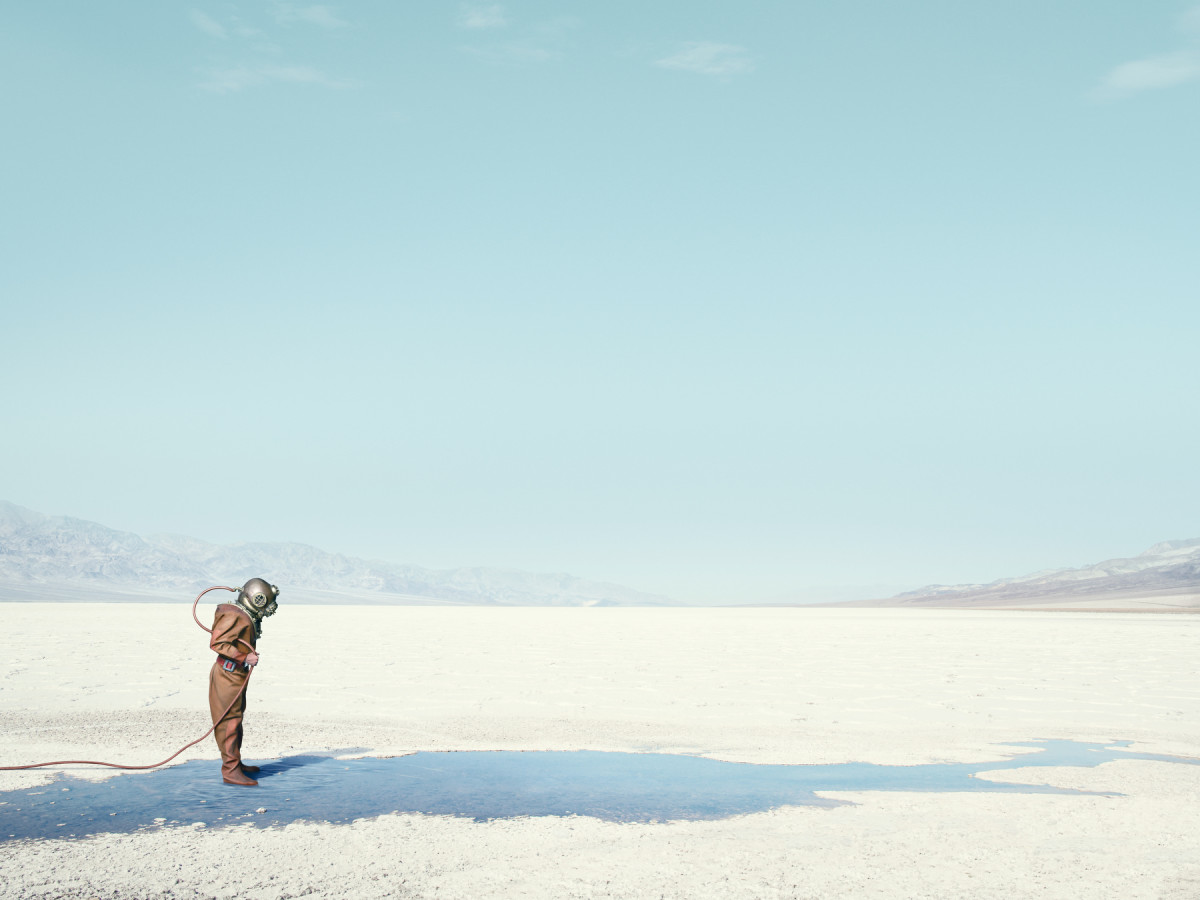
(621, 787)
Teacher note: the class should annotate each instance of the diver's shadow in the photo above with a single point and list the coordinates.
(290, 763)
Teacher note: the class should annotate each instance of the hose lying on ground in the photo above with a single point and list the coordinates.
(92, 762)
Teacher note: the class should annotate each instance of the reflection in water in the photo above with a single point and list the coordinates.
(622, 787)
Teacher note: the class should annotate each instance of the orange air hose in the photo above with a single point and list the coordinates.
(92, 762)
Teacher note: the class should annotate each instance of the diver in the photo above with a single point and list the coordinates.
(235, 633)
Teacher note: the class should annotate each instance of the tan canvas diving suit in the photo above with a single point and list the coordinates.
(235, 633)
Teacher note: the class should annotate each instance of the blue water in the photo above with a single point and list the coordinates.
(621, 787)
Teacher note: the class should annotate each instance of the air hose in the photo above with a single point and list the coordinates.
(92, 762)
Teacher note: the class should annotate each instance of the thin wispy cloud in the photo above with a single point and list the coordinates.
(316, 14)
(708, 58)
(208, 24)
(488, 16)
(232, 25)
(541, 42)
(1152, 74)
(231, 79)
(1164, 70)
(259, 61)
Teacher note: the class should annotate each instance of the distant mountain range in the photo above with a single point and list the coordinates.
(1172, 567)
(42, 556)
(40, 551)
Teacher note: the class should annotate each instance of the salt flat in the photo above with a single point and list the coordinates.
(127, 682)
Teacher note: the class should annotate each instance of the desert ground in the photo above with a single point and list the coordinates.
(127, 683)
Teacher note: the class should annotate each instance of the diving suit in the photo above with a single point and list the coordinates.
(235, 633)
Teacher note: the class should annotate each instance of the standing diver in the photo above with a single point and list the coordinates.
(235, 633)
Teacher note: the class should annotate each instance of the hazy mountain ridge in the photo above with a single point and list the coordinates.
(36, 548)
(1166, 566)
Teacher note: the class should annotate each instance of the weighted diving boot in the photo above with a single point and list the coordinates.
(231, 762)
(236, 776)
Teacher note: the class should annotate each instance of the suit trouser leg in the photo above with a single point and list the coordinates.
(223, 687)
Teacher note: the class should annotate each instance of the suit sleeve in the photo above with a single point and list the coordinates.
(228, 628)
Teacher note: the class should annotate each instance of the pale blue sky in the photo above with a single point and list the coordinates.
(740, 301)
